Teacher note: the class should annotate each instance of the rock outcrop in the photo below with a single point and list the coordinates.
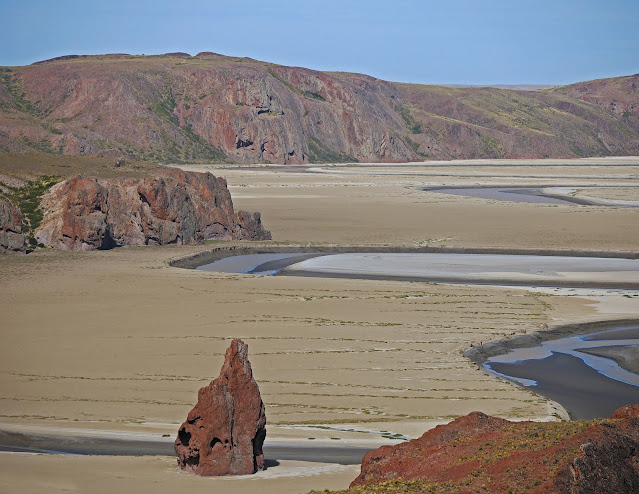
(224, 432)
(478, 452)
(177, 207)
(11, 237)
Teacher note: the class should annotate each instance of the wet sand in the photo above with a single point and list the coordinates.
(266, 263)
(475, 268)
(525, 194)
(497, 269)
(100, 444)
(625, 357)
(575, 195)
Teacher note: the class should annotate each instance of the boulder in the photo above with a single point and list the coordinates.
(477, 452)
(12, 239)
(224, 432)
(176, 207)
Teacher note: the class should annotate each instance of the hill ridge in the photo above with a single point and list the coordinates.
(175, 107)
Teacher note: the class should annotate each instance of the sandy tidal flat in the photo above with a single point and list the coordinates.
(534, 270)
(119, 341)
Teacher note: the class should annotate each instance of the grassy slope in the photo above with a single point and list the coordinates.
(489, 122)
(496, 465)
(29, 166)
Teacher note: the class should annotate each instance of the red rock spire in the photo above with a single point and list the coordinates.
(224, 432)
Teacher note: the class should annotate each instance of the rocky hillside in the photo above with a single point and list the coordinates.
(210, 107)
(478, 453)
(12, 238)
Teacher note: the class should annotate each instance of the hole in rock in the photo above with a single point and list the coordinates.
(144, 199)
(184, 436)
(192, 460)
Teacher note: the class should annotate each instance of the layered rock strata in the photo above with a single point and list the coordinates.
(12, 238)
(178, 207)
(224, 432)
(478, 452)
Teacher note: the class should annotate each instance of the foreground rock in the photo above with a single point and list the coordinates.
(11, 237)
(478, 453)
(177, 207)
(224, 433)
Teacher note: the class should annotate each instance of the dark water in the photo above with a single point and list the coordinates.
(581, 390)
(587, 386)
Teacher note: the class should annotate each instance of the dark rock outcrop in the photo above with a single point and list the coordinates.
(177, 207)
(224, 432)
(11, 237)
(478, 452)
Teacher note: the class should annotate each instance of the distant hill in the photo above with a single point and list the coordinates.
(210, 107)
(514, 87)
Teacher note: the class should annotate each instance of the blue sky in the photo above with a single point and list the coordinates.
(428, 41)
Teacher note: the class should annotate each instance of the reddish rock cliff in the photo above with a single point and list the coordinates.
(175, 208)
(480, 453)
(11, 237)
(224, 433)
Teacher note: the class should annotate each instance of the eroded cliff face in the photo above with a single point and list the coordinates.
(210, 107)
(478, 452)
(176, 207)
(12, 238)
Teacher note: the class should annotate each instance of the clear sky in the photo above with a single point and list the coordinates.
(427, 41)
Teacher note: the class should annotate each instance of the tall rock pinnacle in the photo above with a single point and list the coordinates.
(224, 432)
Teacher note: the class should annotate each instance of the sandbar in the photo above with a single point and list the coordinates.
(626, 357)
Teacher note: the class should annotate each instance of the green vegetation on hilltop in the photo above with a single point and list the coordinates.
(16, 93)
(549, 439)
(26, 167)
(399, 487)
(321, 153)
(413, 125)
(186, 148)
(27, 199)
(308, 94)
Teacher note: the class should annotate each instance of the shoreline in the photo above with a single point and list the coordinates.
(539, 190)
(208, 256)
(480, 354)
(624, 357)
(283, 267)
(94, 443)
